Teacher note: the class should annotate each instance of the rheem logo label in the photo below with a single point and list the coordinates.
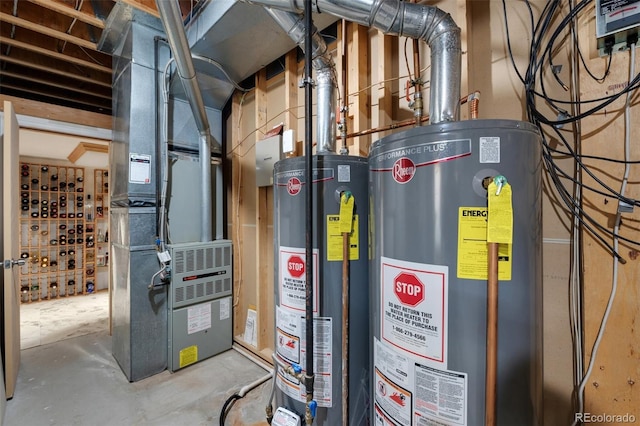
(403, 170)
(294, 186)
(409, 289)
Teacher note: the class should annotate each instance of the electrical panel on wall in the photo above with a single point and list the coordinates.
(616, 21)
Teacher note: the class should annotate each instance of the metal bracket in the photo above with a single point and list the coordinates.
(9, 263)
(306, 81)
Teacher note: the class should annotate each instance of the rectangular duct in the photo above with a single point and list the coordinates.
(139, 316)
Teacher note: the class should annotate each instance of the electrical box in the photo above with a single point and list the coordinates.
(615, 21)
(200, 317)
(268, 152)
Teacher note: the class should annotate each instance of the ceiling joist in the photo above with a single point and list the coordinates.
(54, 71)
(58, 85)
(76, 100)
(53, 54)
(69, 11)
(14, 20)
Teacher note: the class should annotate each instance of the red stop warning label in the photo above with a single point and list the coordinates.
(414, 308)
(408, 288)
(295, 266)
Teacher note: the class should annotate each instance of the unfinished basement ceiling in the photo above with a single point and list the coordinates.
(48, 50)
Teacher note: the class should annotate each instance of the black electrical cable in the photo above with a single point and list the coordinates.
(550, 29)
(308, 118)
(606, 71)
(227, 407)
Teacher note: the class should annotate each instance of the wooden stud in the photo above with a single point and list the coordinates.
(387, 51)
(359, 100)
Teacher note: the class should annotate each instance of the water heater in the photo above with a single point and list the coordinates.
(429, 274)
(332, 176)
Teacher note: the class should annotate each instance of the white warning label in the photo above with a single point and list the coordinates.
(414, 309)
(322, 357)
(440, 397)
(394, 400)
(288, 335)
(293, 278)
(489, 150)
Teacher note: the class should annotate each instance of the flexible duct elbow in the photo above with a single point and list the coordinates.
(396, 17)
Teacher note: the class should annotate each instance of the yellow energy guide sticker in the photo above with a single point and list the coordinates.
(188, 356)
(473, 255)
(334, 238)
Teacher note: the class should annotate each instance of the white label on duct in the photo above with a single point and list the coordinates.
(293, 278)
(225, 308)
(198, 318)
(413, 309)
(140, 169)
(440, 397)
(344, 173)
(490, 150)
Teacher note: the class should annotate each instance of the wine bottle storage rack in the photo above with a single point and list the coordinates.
(54, 233)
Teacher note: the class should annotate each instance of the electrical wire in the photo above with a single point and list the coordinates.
(550, 28)
(616, 229)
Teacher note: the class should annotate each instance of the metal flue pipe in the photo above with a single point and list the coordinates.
(172, 21)
(293, 24)
(397, 17)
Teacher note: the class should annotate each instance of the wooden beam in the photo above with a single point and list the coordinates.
(14, 20)
(265, 329)
(291, 90)
(53, 54)
(84, 147)
(387, 52)
(55, 96)
(237, 230)
(57, 112)
(53, 71)
(70, 11)
(54, 84)
(358, 76)
(147, 6)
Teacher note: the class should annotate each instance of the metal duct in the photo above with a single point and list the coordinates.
(396, 17)
(172, 21)
(293, 24)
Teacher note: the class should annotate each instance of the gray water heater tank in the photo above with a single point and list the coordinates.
(332, 175)
(429, 274)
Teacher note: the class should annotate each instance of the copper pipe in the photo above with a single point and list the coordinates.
(472, 98)
(492, 336)
(345, 328)
(474, 103)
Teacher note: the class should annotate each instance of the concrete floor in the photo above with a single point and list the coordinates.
(78, 382)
